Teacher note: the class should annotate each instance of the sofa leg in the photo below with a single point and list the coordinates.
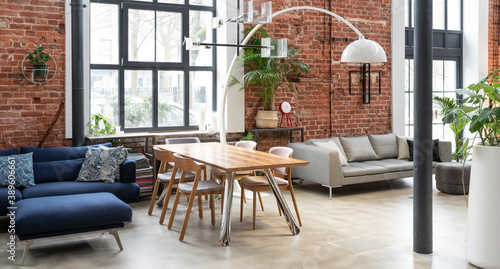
(114, 232)
(26, 247)
(330, 192)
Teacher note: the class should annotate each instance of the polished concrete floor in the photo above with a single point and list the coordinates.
(364, 226)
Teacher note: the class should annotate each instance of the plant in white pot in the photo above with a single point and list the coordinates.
(481, 105)
(267, 75)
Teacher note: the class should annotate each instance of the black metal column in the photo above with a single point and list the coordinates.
(77, 72)
(422, 158)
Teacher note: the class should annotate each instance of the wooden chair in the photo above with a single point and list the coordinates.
(260, 183)
(191, 190)
(220, 174)
(164, 177)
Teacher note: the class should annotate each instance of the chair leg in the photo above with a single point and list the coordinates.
(174, 208)
(200, 207)
(153, 198)
(186, 217)
(205, 177)
(223, 181)
(212, 208)
(241, 205)
(165, 202)
(295, 205)
(260, 200)
(254, 206)
(242, 193)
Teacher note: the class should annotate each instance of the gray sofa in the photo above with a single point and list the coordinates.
(335, 162)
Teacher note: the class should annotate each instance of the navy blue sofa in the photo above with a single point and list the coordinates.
(56, 169)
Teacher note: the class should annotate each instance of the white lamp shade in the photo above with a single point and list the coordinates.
(363, 51)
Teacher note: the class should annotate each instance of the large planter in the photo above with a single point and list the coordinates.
(266, 119)
(483, 217)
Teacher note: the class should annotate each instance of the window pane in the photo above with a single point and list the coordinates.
(438, 14)
(104, 94)
(407, 13)
(169, 37)
(437, 75)
(200, 27)
(454, 15)
(170, 98)
(141, 35)
(450, 75)
(201, 2)
(104, 33)
(138, 99)
(200, 95)
(438, 131)
(171, 1)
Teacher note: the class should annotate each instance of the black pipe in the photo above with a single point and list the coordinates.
(422, 161)
(78, 129)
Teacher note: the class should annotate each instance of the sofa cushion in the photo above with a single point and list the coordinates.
(332, 145)
(17, 170)
(358, 149)
(101, 164)
(436, 157)
(403, 152)
(128, 192)
(57, 154)
(334, 139)
(5, 199)
(64, 170)
(362, 168)
(393, 165)
(7, 152)
(385, 146)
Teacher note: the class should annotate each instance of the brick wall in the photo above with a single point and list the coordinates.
(327, 85)
(493, 36)
(26, 109)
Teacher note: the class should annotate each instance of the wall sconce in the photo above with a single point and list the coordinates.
(365, 79)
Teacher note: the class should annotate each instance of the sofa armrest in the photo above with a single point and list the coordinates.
(445, 150)
(128, 171)
(324, 164)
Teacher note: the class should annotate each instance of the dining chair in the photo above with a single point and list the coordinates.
(260, 183)
(186, 140)
(220, 174)
(191, 190)
(164, 177)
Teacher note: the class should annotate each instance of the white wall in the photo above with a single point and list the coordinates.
(475, 24)
(398, 66)
(235, 109)
(68, 98)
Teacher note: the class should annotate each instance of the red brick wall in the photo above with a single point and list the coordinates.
(493, 29)
(308, 31)
(26, 109)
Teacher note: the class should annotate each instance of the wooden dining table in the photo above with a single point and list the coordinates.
(232, 159)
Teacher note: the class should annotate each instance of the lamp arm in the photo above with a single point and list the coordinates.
(245, 41)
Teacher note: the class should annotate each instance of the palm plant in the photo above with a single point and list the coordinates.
(268, 74)
(457, 121)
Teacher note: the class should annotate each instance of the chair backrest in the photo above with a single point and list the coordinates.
(246, 144)
(182, 140)
(164, 156)
(284, 152)
(186, 165)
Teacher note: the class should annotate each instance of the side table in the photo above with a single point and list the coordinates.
(257, 132)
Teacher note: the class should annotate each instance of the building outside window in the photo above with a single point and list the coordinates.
(142, 78)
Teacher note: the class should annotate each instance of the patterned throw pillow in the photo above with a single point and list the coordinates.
(17, 170)
(101, 164)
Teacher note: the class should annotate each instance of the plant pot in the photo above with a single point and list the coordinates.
(266, 119)
(40, 70)
(483, 217)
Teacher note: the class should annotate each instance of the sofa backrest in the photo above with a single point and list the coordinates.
(58, 154)
(8, 152)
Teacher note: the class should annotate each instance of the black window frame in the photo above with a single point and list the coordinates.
(183, 66)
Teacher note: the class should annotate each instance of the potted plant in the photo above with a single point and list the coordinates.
(38, 59)
(267, 75)
(480, 105)
(99, 125)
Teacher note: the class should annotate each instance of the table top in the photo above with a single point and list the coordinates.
(231, 158)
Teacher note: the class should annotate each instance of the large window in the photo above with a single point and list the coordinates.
(142, 78)
(446, 65)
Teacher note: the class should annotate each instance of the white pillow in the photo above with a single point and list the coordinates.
(332, 145)
(403, 150)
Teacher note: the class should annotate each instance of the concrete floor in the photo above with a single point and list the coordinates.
(364, 226)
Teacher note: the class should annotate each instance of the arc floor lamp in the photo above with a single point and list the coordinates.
(360, 51)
